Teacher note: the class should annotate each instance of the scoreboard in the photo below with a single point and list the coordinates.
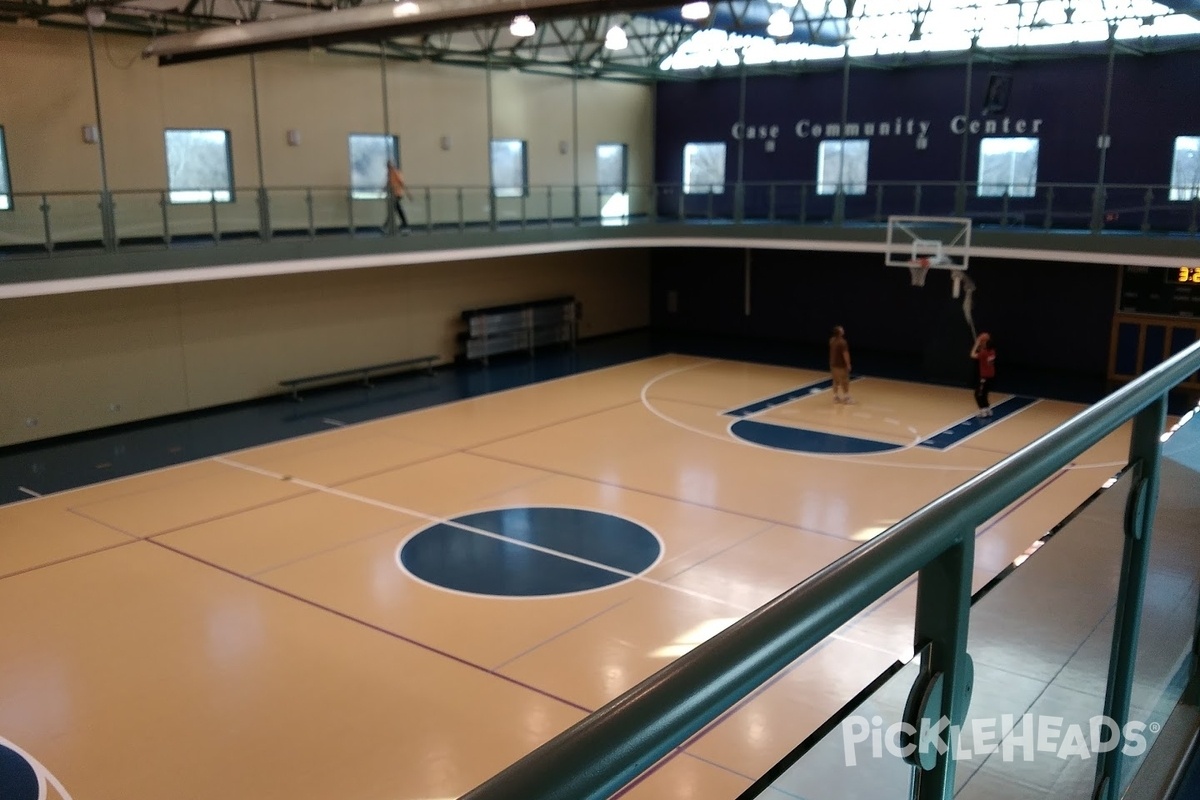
(1162, 291)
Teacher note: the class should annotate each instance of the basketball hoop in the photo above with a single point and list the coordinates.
(918, 268)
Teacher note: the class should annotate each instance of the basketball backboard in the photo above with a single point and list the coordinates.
(928, 242)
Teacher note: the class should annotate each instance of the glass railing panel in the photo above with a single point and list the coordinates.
(23, 225)
(138, 218)
(1041, 639)
(1168, 617)
(289, 211)
(854, 759)
(75, 219)
(239, 218)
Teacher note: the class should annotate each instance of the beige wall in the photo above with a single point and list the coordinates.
(46, 98)
(81, 361)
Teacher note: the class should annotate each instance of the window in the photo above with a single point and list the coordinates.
(510, 168)
(199, 166)
(704, 168)
(1185, 169)
(369, 157)
(612, 168)
(1007, 165)
(5, 186)
(842, 166)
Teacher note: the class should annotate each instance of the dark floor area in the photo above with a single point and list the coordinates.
(53, 465)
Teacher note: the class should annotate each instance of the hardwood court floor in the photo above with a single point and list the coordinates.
(291, 621)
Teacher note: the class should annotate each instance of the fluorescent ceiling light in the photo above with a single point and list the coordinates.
(522, 27)
(405, 9)
(616, 38)
(780, 25)
(695, 11)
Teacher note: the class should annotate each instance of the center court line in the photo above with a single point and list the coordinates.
(29, 492)
(437, 520)
(335, 422)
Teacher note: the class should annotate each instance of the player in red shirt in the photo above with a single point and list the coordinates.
(984, 352)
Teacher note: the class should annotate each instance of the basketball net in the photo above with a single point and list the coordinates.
(918, 269)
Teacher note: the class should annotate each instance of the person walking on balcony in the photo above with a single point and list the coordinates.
(397, 190)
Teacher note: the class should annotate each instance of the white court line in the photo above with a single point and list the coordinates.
(29, 492)
(730, 439)
(335, 422)
(437, 520)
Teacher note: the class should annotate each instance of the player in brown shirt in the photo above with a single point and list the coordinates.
(839, 365)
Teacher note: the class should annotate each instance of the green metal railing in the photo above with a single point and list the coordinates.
(42, 223)
(604, 752)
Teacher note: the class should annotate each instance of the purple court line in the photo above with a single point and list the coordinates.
(661, 496)
(560, 634)
(370, 625)
(79, 512)
(804, 656)
(65, 559)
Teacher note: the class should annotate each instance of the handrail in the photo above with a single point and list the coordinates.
(605, 751)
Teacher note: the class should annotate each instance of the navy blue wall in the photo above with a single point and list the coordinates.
(1155, 99)
(1047, 315)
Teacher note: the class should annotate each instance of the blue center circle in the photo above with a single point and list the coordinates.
(18, 779)
(531, 551)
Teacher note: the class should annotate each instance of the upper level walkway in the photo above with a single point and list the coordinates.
(60, 242)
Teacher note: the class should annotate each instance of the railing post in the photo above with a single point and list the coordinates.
(428, 211)
(653, 210)
(216, 228)
(312, 222)
(839, 206)
(803, 204)
(549, 206)
(1099, 201)
(1004, 209)
(108, 222)
(710, 203)
(739, 201)
(350, 213)
(771, 203)
(682, 209)
(960, 200)
(1195, 213)
(1144, 454)
(941, 696)
(164, 204)
(45, 209)
(917, 200)
(264, 215)
(878, 203)
(461, 221)
(1148, 201)
(523, 211)
(576, 200)
(1048, 222)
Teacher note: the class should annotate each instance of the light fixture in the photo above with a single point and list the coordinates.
(616, 38)
(780, 25)
(95, 16)
(522, 27)
(695, 11)
(405, 9)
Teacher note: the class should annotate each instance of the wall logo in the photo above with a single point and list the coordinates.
(911, 127)
(1014, 738)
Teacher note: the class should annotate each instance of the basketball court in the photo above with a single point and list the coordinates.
(401, 608)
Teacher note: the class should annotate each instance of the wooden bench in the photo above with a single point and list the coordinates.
(362, 373)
